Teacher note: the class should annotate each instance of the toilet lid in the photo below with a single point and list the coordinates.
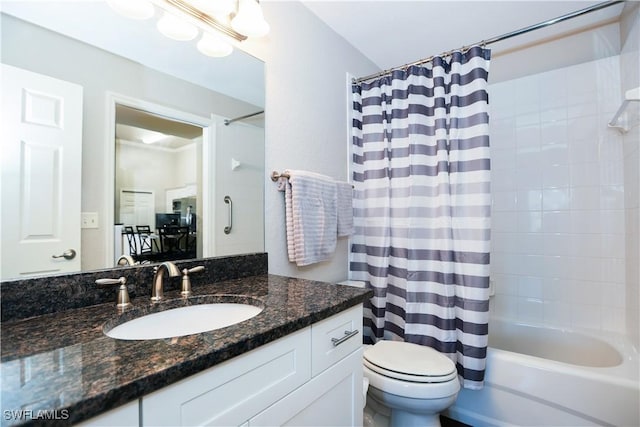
(409, 362)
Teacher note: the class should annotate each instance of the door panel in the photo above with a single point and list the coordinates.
(41, 173)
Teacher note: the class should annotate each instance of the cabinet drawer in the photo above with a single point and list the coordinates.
(230, 393)
(330, 340)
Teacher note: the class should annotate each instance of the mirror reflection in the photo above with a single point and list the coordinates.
(125, 75)
(156, 214)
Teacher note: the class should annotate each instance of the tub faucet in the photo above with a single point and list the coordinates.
(157, 291)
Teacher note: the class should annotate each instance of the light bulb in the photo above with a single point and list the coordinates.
(139, 9)
(214, 46)
(249, 20)
(153, 137)
(176, 28)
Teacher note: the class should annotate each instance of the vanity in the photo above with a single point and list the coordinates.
(297, 362)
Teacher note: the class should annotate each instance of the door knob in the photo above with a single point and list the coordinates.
(68, 254)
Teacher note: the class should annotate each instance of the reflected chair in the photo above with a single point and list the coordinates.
(174, 241)
(192, 244)
(147, 241)
(168, 238)
(182, 239)
(131, 240)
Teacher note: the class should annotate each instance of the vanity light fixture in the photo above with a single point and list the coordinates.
(213, 45)
(249, 19)
(218, 21)
(175, 28)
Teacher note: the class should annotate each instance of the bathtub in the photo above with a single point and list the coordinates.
(542, 376)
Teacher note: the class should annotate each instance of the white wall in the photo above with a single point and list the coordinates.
(306, 119)
(630, 76)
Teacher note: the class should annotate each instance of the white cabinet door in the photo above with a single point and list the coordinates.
(230, 393)
(333, 398)
(41, 141)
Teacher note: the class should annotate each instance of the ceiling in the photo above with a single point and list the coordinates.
(392, 33)
(136, 126)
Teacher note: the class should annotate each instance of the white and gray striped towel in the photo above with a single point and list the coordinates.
(312, 216)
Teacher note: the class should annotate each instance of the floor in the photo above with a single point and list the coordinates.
(449, 422)
(375, 416)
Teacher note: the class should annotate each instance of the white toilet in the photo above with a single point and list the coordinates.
(410, 382)
(415, 382)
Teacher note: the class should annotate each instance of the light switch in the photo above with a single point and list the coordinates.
(89, 219)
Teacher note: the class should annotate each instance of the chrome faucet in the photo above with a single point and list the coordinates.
(157, 291)
(126, 260)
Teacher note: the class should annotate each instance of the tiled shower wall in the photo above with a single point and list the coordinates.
(558, 219)
(630, 77)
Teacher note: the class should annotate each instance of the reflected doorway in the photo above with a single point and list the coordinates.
(158, 194)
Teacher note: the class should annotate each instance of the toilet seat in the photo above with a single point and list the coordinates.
(410, 370)
(409, 362)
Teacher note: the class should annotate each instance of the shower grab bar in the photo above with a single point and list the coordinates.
(228, 228)
(632, 95)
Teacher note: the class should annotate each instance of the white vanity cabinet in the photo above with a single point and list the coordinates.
(300, 379)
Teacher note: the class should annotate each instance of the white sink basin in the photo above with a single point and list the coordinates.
(182, 321)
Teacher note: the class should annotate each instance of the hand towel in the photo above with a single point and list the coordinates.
(345, 208)
(312, 220)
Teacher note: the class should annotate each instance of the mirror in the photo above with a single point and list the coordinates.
(124, 63)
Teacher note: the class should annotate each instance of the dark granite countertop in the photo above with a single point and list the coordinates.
(63, 362)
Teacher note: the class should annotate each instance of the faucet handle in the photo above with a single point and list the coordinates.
(186, 280)
(123, 294)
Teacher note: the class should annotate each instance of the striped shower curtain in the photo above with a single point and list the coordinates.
(421, 171)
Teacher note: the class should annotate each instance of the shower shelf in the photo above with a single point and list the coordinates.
(632, 95)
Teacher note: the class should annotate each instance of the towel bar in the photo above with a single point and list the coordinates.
(275, 175)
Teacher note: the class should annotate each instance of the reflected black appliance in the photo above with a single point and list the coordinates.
(165, 219)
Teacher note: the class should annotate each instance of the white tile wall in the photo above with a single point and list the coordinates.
(630, 76)
(558, 220)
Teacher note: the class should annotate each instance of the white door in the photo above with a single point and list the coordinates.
(41, 167)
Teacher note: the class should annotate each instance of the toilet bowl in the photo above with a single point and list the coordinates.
(408, 382)
(415, 382)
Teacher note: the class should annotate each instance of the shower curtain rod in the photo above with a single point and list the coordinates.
(497, 38)
(227, 122)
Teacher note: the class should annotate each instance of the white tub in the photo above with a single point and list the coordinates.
(542, 376)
